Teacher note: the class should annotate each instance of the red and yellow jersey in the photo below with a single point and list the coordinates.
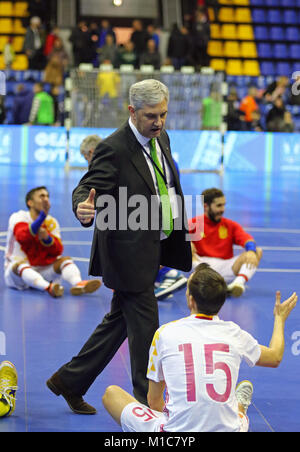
(217, 239)
(23, 244)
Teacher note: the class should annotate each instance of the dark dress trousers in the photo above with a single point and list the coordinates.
(128, 260)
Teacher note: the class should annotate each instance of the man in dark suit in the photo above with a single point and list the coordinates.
(130, 246)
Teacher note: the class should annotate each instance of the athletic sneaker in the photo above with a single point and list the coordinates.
(8, 388)
(173, 280)
(88, 286)
(55, 290)
(235, 289)
(243, 393)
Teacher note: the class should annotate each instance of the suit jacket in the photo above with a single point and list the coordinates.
(129, 259)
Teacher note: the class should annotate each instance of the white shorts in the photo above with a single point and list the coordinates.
(222, 266)
(14, 281)
(137, 417)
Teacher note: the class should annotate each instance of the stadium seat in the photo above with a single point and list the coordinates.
(257, 3)
(280, 51)
(283, 68)
(287, 3)
(2, 63)
(264, 50)
(243, 15)
(241, 2)
(245, 32)
(18, 27)
(294, 51)
(215, 31)
(3, 40)
(226, 14)
(290, 16)
(218, 64)
(231, 49)
(258, 15)
(292, 34)
(228, 31)
(20, 9)
(251, 68)
(248, 49)
(267, 68)
(6, 26)
(20, 63)
(261, 33)
(277, 34)
(211, 15)
(272, 3)
(274, 16)
(215, 48)
(6, 9)
(18, 42)
(234, 67)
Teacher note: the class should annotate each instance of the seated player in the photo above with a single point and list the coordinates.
(197, 360)
(33, 255)
(8, 388)
(214, 245)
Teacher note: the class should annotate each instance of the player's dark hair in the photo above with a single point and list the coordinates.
(31, 193)
(210, 194)
(208, 288)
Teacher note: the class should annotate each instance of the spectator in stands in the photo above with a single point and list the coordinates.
(50, 39)
(83, 45)
(151, 56)
(54, 72)
(127, 55)
(9, 53)
(58, 102)
(109, 51)
(108, 83)
(256, 125)
(288, 124)
(59, 51)
(152, 34)
(248, 106)
(34, 44)
(139, 38)
(275, 116)
(22, 105)
(179, 46)
(276, 89)
(200, 33)
(212, 110)
(105, 29)
(234, 114)
(42, 110)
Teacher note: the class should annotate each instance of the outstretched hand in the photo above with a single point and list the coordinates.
(284, 309)
(86, 210)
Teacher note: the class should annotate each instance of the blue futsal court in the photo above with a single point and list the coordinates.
(39, 333)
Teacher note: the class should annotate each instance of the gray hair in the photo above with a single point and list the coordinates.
(90, 142)
(148, 92)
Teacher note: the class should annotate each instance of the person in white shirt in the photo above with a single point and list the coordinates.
(196, 360)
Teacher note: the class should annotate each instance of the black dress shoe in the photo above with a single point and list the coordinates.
(75, 402)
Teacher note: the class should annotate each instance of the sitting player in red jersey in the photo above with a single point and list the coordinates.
(33, 255)
(213, 237)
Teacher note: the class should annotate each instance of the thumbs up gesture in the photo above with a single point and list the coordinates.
(86, 210)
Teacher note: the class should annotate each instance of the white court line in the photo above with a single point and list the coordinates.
(263, 417)
(286, 231)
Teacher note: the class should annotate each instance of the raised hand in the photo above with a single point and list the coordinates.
(86, 210)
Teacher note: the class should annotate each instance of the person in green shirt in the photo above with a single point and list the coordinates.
(42, 110)
(212, 111)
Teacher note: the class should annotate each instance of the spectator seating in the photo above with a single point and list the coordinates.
(263, 32)
(11, 24)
